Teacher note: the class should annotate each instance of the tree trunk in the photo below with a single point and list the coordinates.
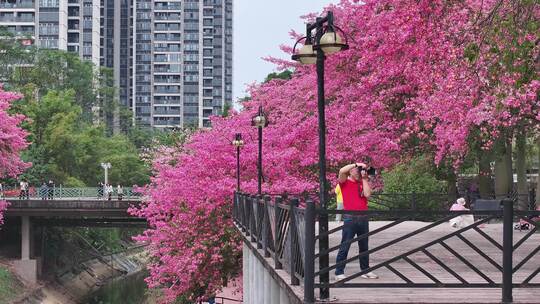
(502, 184)
(484, 176)
(522, 190)
(116, 119)
(452, 188)
(508, 163)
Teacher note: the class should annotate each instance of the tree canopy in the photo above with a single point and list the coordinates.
(429, 77)
(12, 141)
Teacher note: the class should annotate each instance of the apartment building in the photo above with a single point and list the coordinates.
(171, 60)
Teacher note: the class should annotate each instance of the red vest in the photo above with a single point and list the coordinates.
(353, 198)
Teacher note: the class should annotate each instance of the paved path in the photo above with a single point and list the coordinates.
(437, 295)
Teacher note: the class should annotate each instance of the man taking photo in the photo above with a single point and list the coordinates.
(356, 190)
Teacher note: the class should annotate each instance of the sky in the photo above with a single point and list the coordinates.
(259, 28)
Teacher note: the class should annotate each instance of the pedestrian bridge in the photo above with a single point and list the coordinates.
(72, 207)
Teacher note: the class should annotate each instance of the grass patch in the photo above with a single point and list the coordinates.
(10, 287)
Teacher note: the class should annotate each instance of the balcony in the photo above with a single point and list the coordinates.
(16, 5)
(9, 18)
(167, 17)
(163, 90)
(167, 8)
(164, 111)
(170, 49)
(169, 27)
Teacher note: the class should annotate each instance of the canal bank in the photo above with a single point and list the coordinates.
(100, 280)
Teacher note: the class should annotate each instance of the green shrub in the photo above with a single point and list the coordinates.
(74, 182)
(10, 287)
(414, 176)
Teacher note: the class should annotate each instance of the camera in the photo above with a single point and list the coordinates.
(369, 170)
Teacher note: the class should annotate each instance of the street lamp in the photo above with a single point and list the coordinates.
(238, 143)
(326, 41)
(260, 121)
(106, 166)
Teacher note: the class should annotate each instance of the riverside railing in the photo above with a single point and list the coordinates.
(60, 192)
(284, 229)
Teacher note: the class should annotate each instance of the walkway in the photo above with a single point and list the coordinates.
(446, 295)
(418, 261)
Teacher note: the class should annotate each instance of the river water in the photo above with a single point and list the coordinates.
(128, 290)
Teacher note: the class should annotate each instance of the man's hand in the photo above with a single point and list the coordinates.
(361, 165)
(344, 172)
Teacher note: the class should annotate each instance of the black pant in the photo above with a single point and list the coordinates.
(353, 226)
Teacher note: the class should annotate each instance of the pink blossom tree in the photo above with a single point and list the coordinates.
(12, 141)
(411, 83)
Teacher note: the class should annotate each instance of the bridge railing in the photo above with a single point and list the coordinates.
(284, 229)
(68, 193)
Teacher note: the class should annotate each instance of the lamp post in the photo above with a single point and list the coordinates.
(238, 143)
(325, 42)
(106, 166)
(260, 121)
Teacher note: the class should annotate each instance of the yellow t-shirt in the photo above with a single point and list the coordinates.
(339, 196)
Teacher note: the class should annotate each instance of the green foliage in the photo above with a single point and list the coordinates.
(244, 99)
(131, 289)
(10, 287)
(226, 109)
(13, 53)
(412, 176)
(287, 74)
(69, 151)
(74, 182)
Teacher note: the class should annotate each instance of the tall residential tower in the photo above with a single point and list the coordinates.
(171, 60)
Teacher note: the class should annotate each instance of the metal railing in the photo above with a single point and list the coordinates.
(284, 229)
(67, 193)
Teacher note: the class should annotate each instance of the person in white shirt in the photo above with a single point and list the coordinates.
(462, 220)
(109, 192)
(120, 192)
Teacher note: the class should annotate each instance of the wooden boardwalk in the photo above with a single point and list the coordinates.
(437, 295)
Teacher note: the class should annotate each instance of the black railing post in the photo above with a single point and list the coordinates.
(293, 202)
(413, 205)
(413, 201)
(259, 225)
(277, 233)
(266, 226)
(309, 254)
(235, 206)
(241, 212)
(252, 223)
(245, 227)
(508, 248)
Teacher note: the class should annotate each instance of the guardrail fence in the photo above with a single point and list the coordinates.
(71, 193)
(284, 228)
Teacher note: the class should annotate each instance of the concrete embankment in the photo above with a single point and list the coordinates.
(74, 285)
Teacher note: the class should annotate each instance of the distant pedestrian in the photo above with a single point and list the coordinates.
(473, 192)
(23, 194)
(339, 202)
(109, 192)
(100, 190)
(120, 192)
(1, 190)
(50, 189)
(105, 191)
(462, 220)
(44, 191)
